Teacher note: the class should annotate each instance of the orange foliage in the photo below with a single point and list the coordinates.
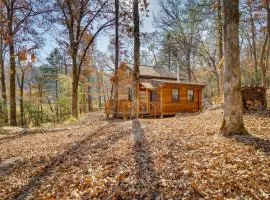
(23, 55)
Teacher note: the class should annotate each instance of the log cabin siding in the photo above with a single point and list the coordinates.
(163, 104)
(123, 88)
(169, 107)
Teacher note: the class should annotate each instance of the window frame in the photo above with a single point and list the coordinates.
(178, 95)
(193, 95)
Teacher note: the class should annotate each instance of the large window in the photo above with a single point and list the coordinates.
(190, 96)
(175, 95)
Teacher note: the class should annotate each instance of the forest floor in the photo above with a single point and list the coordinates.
(179, 157)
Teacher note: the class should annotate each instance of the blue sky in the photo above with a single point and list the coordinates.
(102, 40)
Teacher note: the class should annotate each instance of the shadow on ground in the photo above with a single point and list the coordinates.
(258, 143)
(75, 149)
(148, 181)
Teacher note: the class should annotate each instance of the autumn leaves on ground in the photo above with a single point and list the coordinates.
(178, 157)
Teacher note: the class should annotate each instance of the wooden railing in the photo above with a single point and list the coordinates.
(124, 108)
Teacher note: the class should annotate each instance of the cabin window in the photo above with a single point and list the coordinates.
(154, 96)
(130, 94)
(190, 96)
(175, 95)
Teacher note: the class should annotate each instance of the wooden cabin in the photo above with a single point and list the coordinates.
(160, 93)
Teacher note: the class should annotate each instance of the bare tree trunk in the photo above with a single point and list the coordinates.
(189, 72)
(136, 71)
(3, 85)
(262, 64)
(12, 115)
(56, 97)
(75, 86)
(99, 89)
(21, 85)
(155, 58)
(253, 37)
(90, 103)
(40, 90)
(233, 111)
(30, 102)
(220, 50)
(116, 58)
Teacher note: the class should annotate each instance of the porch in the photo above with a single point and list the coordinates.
(146, 109)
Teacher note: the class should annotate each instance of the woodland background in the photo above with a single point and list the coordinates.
(75, 78)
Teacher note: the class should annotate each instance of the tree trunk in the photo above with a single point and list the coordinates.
(56, 97)
(3, 85)
(12, 116)
(220, 50)
(99, 89)
(90, 103)
(21, 99)
(136, 71)
(233, 111)
(262, 64)
(30, 103)
(188, 66)
(254, 48)
(155, 58)
(40, 89)
(75, 84)
(116, 58)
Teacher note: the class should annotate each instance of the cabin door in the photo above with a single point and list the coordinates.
(154, 101)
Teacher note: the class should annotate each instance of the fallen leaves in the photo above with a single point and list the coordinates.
(172, 158)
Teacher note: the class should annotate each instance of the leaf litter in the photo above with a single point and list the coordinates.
(179, 157)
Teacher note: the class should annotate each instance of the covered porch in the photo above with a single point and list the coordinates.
(150, 102)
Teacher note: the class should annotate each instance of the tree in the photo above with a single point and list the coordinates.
(25, 66)
(116, 57)
(78, 18)
(136, 71)
(233, 111)
(3, 79)
(183, 21)
(220, 48)
(18, 19)
(55, 67)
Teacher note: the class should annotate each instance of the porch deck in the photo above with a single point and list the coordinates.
(124, 109)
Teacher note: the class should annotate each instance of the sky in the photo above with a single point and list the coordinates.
(102, 40)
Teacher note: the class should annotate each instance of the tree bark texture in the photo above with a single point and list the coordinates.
(116, 57)
(3, 86)
(136, 71)
(233, 109)
(220, 49)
